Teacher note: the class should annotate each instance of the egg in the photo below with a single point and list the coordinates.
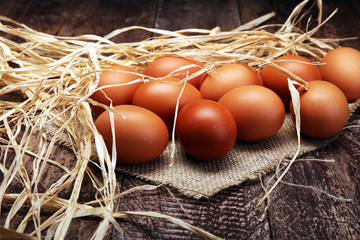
(165, 65)
(161, 97)
(324, 110)
(140, 134)
(276, 80)
(206, 130)
(227, 77)
(341, 67)
(258, 111)
(121, 93)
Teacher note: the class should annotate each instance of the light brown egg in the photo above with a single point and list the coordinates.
(324, 109)
(277, 81)
(341, 67)
(140, 134)
(259, 113)
(120, 92)
(228, 77)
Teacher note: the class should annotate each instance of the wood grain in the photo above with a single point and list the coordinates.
(300, 212)
(46, 16)
(230, 214)
(183, 14)
(304, 213)
(293, 212)
(101, 17)
(81, 228)
(345, 23)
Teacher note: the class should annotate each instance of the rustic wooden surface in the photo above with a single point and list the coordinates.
(291, 212)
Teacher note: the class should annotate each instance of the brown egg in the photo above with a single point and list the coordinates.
(341, 67)
(259, 113)
(206, 130)
(161, 97)
(228, 77)
(140, 134)
(121, 92)
(277, 81)
(324, 109)
(165, 65)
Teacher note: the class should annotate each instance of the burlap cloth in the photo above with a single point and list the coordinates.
(246, 161)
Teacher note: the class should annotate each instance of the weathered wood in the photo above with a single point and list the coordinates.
(299, 212)
(293, 213)
(51, 174)
(183, 14)
(46, 16)
(304, 213)
(102, 17)
(345, 23)
(249, 10)
(231, 214)
(74, 18)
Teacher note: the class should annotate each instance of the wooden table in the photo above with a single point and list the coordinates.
(291, 212)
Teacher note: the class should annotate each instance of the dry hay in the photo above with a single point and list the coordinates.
(56, 75)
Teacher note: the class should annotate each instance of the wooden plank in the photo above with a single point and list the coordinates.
(74, 18)
(101, 17)
(183, 14)
(297, 212)
(80, 228)
(302, 212)
(249, 10)
(71, 18)
(46, 16)
(231, 214)
(345, 23)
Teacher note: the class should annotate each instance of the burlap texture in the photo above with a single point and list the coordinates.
(246, 161)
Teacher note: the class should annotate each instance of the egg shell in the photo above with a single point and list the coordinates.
(259, 112)
(165, 65)
(121, 93)
(228, 77)
(161, 97)
(324, 110)
(341, 67)
(276, 80)
(140, 134)
(206, 130)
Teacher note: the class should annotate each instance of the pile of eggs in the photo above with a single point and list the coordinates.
(213, 110)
